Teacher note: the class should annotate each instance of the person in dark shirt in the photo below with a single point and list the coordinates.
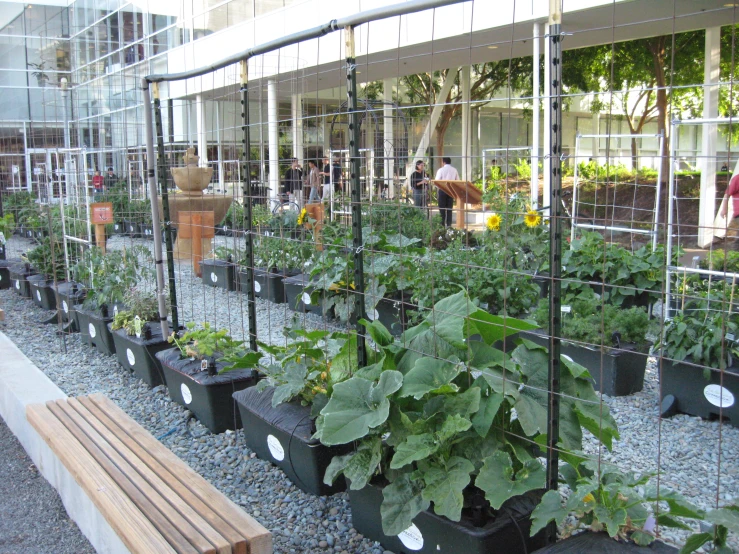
(291, 185)
(338, 176)
(419, 185)
(110, 180)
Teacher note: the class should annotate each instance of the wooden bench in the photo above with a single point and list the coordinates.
(153, 500)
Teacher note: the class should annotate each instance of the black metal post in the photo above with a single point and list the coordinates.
(356, 194)
(162, 171)
(555, 259)
(247, 190)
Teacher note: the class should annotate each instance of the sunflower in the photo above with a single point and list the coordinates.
(493, 222)
(532, 218)
(301, 217)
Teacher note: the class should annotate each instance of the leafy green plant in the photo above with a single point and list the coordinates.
(223, 253)
(260, 215)
(723, 520)
(279, 252)
(140, 211)
(400, 218)
(523, 168)
(205, 342)
(702, 336)
(139, 303)
(7, 224)
(721, 260)
(434, 418)
(52, 267)
(16, 203)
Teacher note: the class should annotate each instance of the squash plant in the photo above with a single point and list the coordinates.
(445, 413)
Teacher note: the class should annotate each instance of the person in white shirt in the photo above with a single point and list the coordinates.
(446, 173)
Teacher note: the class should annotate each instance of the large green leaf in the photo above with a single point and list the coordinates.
(427, 375)
(415, 447)
(445, 486)
(401, 502)
(449, 318)
(345, 362)
(483, 418)
(612, 520)
(500, 482)
(378, 332)
(493, 328)
(452, 427)
(295, 382)
(356, 406)
(728, 517)
(550, 508)
(361, 465)
(464, 403)
(695, 541)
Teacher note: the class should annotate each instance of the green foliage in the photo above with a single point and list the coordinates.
(523, 168)
(721, 260)
(7, 225)
(139, 303)
(442, 237)
(284, 222)
(702, 336)
(20, 205)
(435, 416)
(206, 342)
(223, 253)
(260, 215)
(140, 211)
(234, 218)
(396, 217)
(281, 252)
(723, 520)
(40, 257)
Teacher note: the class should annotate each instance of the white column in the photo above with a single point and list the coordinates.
(297, 126)
(388, 131)
(709, 139)
(535, 120)
(466, 164)
(273, 139)
(219, 142)
(595, 147)
(202, 131)
(547, 164)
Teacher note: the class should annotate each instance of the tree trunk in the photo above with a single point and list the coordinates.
(634, 155)
(657, 48)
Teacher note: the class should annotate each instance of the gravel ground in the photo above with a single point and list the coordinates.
(683, 449)
(32, 516)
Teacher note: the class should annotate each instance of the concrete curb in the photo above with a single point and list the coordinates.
(22, 384)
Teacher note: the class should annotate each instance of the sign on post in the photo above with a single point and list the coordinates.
(101, 214)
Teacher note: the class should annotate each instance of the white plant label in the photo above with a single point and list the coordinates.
(137, 326)
(186, 394)
(566, 309)
(257, 287)
(203, 365)
(275, 448)
(65, 307)
(130, 356)
(411, 538)
(91, 330)
(38, 295)
(719, 396)
(730, 337)
(306, 299)
(115, 309)
(18, 285)
(213, 277)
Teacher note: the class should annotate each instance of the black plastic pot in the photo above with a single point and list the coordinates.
(208, 397)
(267, 284)
(70, 294)
(219, 273)
(146, 230)
(391, 312)
(138, 354)
(29, 233)
(19, 274)
(5, 281)
(430, 534)
(542, 280)
(132, 229)
(282, 435)
(42, 292)
(298, 294)
(615, 372)
(601, 543)
(2, 251)
(94, 330)
(699, 391)
(119, 228)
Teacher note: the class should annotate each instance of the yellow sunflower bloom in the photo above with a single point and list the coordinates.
(301, 217)
(532, 218)
(493, 222)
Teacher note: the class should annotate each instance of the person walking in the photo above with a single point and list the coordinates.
(446, 173)
(291, 184)
(313, 181)
(419, 185)
(732, 211)
(326, 178)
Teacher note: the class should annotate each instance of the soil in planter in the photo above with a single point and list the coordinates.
(590, 543)
(138, 354)
(508, 533)
(208, 397)
(282, 435)
(219, 273)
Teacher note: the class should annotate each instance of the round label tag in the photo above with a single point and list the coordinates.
(130, 356)
(306, 299)
(719, 396)
(65, 307)
(91, 330)
(275, 448)
(38, 295)
(131, 229)
(18, 285)
(213, 277)
(186, 394)
(257, 287)
(411, 538)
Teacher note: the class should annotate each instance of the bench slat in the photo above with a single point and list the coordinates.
(173, 533)
(259, 538)
(134, 528)
(149, 482)
(131, 450)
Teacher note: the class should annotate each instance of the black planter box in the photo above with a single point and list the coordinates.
(700, 391)
(19, 275)
(70, 294)
(391, 312)
(119, 228)
(40, 234)
(139, 354)
(147, 230)
(615, 372)
(29, 233)
(298, 294)
(5, 281)
(42, 292)
(132, 229)
(267, 284)
(219, 273)
(208, 397)
(601, 543)
(282, 435)
(94, 330)
(2, 251)
(508, 533)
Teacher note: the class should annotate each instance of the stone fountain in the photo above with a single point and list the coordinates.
(193, 212)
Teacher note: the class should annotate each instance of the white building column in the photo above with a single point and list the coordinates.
(534, 194)
(273, 139)
(547, 163)
(709, 138)
(388, 131)
(297, 126)
(201, 130)
(466, 165)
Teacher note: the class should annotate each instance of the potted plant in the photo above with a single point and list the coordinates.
(279, 413)
(699, 374)
(220, 271)
(41, 77)
(137, 336)
(7, 226)
(143, 215)
(199, 379)
(609, 341)
(51, 270)
(441, 461)
(19, 272)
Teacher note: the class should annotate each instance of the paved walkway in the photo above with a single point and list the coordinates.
(32, 517)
